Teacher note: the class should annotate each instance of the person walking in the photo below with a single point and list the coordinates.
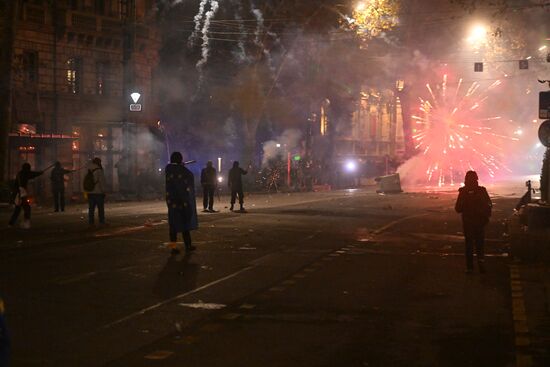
(235, 183)
(180, 199)
(208, 183)
(57, 178)
(94, 186)
(22, 195)
(475, 205)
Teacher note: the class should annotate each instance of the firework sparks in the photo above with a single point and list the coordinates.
(214, 5)
(373, 17)
(451, 139)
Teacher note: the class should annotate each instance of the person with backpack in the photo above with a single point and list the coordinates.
(94, 186)
(180, 199)
(21, 199)
(57, 178)
(475, 205)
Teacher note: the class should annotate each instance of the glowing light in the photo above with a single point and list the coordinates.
(518, 132)
(135, 97)
(220, 179)
(351, 166)
(278, 145)
(542, 48)
(478, 35)
(451, 139)
(371, 18)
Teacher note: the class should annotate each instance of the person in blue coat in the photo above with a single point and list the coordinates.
(4, 338)
(180, 199)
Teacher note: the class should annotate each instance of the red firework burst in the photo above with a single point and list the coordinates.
(451, 138)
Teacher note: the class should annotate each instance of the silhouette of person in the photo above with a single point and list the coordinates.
(475, 205)
(208, 183)
(22, 196)
(57, 177)
(180, 199)
(235, 183)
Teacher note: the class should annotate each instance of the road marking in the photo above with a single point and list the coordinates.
(175, 298)
(397, 221)
(247, 306)
(76, 278)
(231, 316)
(159, 355)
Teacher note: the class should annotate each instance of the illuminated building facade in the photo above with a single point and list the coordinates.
(74, 65)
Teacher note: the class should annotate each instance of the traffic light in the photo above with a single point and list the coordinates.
(544, 105)
(478, 67)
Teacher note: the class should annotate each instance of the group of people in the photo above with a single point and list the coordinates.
(95, 191)
(473, 201)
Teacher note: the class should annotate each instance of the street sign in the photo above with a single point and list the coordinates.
(135, 107)
(478, 67)
(544, 133)
(544, 105)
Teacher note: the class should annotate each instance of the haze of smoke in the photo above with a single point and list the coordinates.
(288, 140)
(205, 39)
(198, 18)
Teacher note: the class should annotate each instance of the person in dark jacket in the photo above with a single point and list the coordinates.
(57, 177)
(96, 196)
(235, 183)
(22, 195)
(475, 205)
(208, 183)
(180, 199)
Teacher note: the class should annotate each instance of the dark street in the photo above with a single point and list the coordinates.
(348, 278)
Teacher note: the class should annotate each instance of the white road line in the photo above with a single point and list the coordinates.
(175, 298)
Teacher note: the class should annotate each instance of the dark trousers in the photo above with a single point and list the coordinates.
(475, 237)
(26, 206)
(59, 199)
(234, 194)
(186, 237)
(96, 200)
(208, 196)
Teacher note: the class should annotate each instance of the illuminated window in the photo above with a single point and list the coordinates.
(324, 121)
(74, 71)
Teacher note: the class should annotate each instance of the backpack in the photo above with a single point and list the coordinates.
(89, 182)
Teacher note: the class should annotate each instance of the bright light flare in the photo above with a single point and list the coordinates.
(351, 166)
(478, 35)
(220, 179)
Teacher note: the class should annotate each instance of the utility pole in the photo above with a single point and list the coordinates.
(8, 22)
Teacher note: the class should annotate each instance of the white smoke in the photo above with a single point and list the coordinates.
(197, 19)
(260, 29)
(214, 6)
(287, 142)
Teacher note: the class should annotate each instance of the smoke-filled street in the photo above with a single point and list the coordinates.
(348, 278)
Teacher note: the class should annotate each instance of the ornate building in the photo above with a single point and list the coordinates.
(74, 65)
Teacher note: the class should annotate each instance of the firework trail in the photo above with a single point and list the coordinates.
(214, 6)
(240, 54)
(260, 29)
(197, 19)
(451, 139)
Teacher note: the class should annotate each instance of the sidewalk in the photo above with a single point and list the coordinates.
(530, 287)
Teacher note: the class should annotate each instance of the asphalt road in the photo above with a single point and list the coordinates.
(347, 278)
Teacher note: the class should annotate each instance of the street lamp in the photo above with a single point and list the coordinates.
(478, 34)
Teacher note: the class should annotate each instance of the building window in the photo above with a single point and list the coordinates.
(74, 71)
(30, 66)
(102, 72)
